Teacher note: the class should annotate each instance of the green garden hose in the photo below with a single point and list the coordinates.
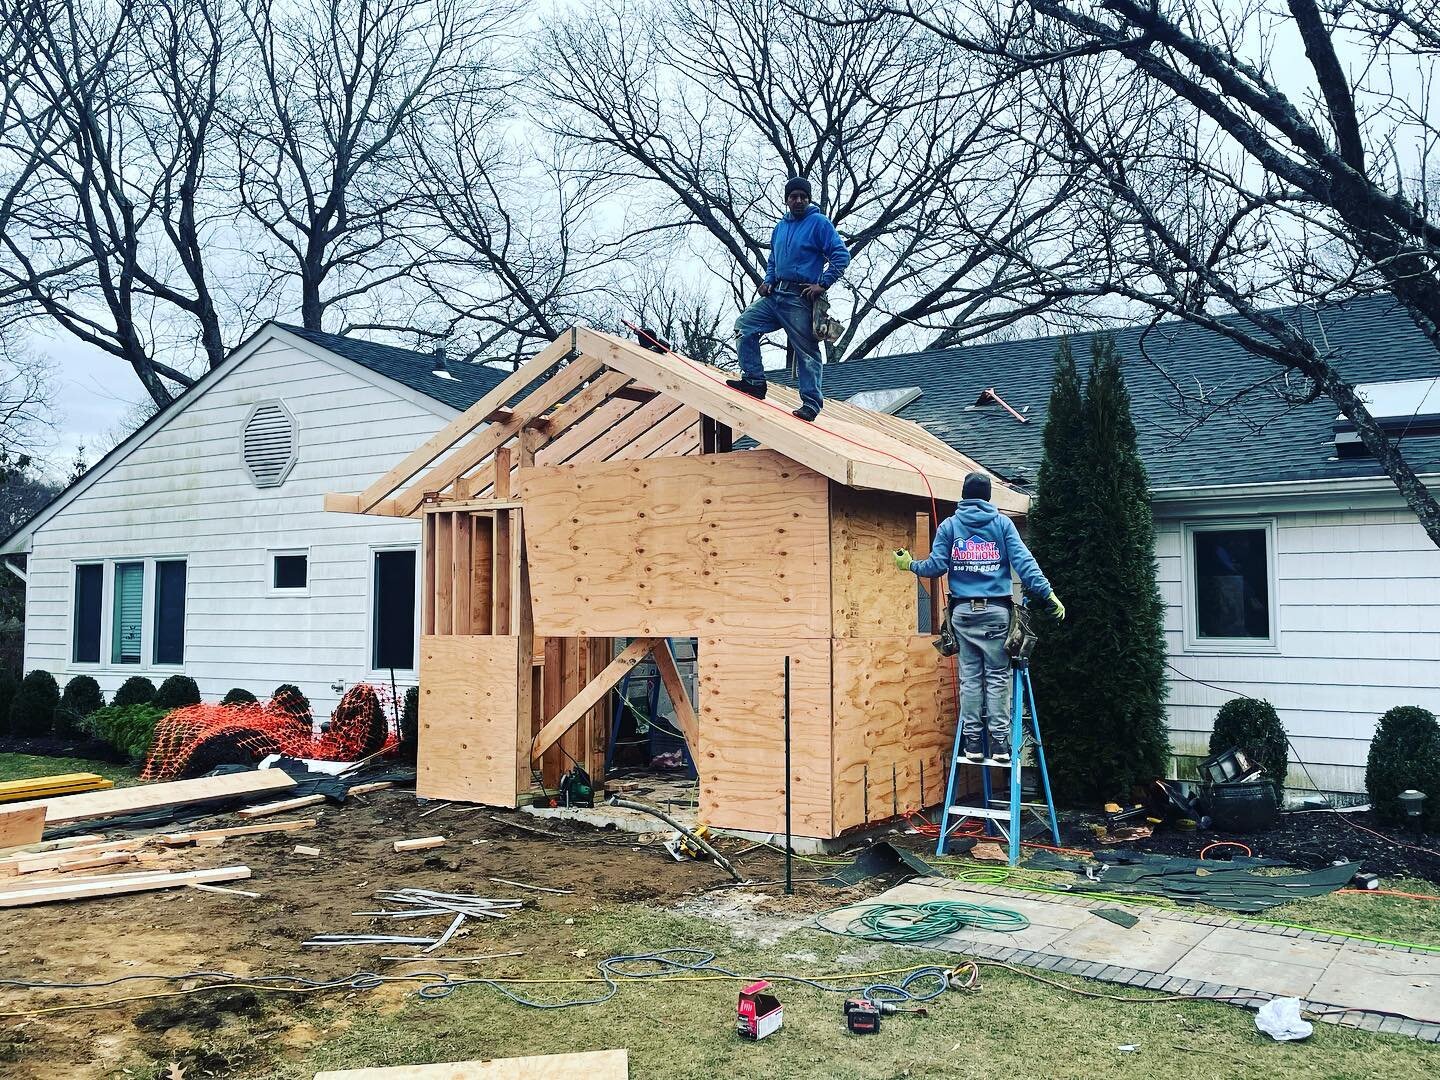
(911, 924)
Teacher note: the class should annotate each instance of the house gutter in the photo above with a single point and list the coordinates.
(1351, 492)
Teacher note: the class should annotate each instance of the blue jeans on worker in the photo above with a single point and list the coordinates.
(984, 672)
(784, 309)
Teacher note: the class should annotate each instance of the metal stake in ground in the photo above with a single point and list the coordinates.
(789, 854)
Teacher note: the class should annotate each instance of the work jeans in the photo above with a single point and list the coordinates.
(984, 673)
(791, 312)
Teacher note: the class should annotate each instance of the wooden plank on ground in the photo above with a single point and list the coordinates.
(21, 827)
(133, 800)
(588, 696)
(86, 889)
(592, 1065)
(177, 839)
(469, 702)
(82, 861)
(742, 713)
(280, 807)
(679, 699)
(679, 547)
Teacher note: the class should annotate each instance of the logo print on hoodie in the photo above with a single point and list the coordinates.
(975, 555)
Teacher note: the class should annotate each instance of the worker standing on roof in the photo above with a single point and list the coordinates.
(977, 547)
(807, 256)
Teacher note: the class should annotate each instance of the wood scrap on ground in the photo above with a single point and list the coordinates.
(279, 807)
(422, 843)
(100, 804)
(301, 849)
(180, 839)
(41, 787)
(21, 827)
(159, 879)
(593, 1065)
(365, 789)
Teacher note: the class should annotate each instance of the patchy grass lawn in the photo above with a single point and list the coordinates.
(25, 766)
(683, 1029)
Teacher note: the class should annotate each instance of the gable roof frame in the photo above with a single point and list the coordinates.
(585, 370)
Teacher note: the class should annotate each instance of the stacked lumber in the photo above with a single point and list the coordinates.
(133, 800)
(49, 891)
(44, 787)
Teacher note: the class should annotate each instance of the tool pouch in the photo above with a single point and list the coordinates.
(825, 327)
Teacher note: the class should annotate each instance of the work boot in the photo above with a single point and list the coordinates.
(745, 386)
(1001, 756)
(973, 754)
(806, 413)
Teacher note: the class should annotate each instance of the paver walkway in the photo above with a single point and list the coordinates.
(1200, 956)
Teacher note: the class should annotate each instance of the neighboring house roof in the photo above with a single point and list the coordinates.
(1257, 439)
(467, 384)
(411, 369)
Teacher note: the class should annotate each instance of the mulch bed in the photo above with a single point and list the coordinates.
(1313, 839)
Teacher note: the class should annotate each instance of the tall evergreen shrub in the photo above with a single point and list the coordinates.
(1100, 674)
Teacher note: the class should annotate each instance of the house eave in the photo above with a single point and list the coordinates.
(1332, 493)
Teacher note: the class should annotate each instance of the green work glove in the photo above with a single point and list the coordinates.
(1057, 606)
(903, 560)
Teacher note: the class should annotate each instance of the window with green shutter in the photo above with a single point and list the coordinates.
(128, 613)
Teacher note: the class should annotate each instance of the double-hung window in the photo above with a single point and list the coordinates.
(129, 613)
(1230, 586)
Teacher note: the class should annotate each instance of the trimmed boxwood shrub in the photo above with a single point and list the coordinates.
(82, 696)
(238, 695)
(1253, 726)
(8, 686)
(1405, 753)
(287, 698)
(32, 711)
(130, 729)
(410, 724)
(136, 690)
(176, 692)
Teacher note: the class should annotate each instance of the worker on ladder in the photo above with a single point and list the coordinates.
(977, 547)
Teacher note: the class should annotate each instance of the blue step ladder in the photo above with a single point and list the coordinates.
(1002, 819)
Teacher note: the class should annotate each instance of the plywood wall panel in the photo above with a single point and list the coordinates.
(870, 597)
(742, 734)
(894, 727)
(731, 544)
(469, 701)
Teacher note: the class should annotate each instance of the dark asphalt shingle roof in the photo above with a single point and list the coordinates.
(1255, 440)
(414, 369)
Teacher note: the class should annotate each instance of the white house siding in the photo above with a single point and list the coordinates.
(1359, 632)
(185, 492)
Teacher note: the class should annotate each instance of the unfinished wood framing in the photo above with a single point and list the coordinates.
(597, 494)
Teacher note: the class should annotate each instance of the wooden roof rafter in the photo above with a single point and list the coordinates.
(608, 399)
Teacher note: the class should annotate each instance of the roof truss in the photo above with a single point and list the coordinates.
(592, 397)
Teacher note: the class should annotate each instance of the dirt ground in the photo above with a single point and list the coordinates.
(186, 930)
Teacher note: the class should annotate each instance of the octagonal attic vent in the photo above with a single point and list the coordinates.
(267, 443)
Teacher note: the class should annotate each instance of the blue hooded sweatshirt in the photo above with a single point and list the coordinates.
(977, 546)
(800, 250)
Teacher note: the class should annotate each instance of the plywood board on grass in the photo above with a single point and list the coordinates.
(593, 1065)
(894, 727)
(100, 804)
(469, 701)
(733, 544)
(21, 827)
(870, 597)
(742, 734)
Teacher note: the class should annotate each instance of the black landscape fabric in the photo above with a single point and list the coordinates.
(1232, 885)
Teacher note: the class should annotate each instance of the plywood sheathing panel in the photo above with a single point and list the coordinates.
(469, 701)
(870, 597)
(894, 727)
(679, 547)
(742, 734)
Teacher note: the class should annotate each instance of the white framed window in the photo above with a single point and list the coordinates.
(128, 614)
(394, 632)
(1230, 602)
(290, 571)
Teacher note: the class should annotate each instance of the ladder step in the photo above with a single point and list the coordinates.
(980, 811)
(991, 762)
